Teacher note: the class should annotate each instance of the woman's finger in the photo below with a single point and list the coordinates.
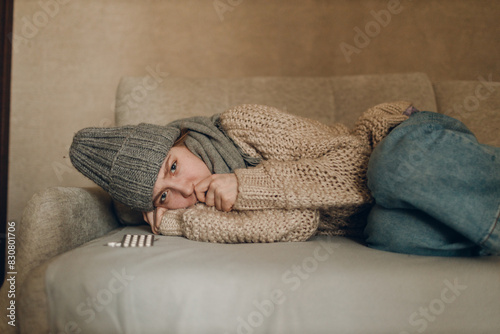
(158, 214)
(149, 218)
(227, 204)
(218, 203)
(154, 226)
(201, 188)
(153, 218)
(210, 196)
(219, 190)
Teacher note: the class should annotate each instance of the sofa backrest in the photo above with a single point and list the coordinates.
(342, 99)
(475, 103)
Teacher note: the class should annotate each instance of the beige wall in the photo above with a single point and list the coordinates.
(70, 54)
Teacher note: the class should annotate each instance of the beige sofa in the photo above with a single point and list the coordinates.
(324, 285)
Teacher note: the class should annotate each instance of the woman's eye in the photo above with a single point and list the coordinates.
(163, 197)
(173, 167)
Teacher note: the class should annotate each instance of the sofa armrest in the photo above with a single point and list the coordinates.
(59, 219)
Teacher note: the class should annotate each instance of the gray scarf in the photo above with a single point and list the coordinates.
(208, 141)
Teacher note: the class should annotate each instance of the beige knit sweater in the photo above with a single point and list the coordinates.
(312, 178)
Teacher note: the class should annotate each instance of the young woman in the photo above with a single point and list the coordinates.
(257, 174)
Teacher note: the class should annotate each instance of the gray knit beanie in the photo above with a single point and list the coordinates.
(124, 161)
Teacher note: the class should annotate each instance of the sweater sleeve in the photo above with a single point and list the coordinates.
(376, 123)
(306, 164)
(202, 223)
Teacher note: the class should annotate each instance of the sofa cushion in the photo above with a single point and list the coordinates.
(325, 285)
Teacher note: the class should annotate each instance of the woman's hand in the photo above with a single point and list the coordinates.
(153, 218)
(219, 190)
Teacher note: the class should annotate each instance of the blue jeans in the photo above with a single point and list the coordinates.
(436, 190)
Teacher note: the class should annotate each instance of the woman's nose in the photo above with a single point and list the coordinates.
(186, 189)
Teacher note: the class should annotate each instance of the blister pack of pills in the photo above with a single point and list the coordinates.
(134, 240)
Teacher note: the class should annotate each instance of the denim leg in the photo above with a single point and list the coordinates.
(437, 190)
(412, 231)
